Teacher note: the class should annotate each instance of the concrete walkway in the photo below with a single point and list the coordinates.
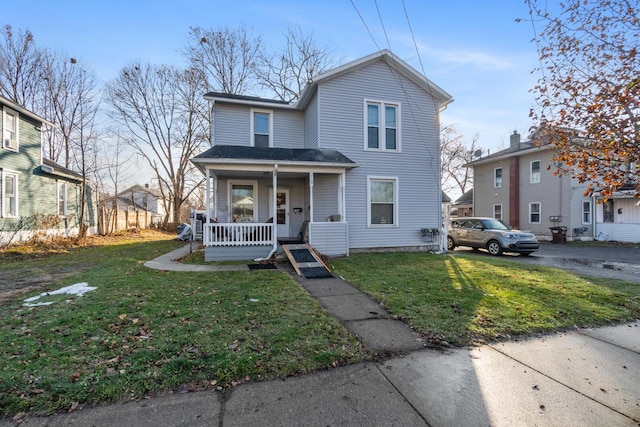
(586, 377)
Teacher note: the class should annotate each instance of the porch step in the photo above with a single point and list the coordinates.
(305, 261)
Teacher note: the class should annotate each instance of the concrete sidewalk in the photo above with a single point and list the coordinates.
(577, 378)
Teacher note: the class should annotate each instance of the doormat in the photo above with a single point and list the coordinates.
(267, 266)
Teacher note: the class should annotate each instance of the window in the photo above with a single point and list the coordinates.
(382, 126)
(9, 195)
(62, 198)
(535, 171)
(586, 211)
(9, 129)
(243, 196)
(607, 211)
(497, 211)
(383, 202)
(261, 125)
(497, 178)
(534, 213)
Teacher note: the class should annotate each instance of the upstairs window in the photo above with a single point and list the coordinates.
(9, 129)
(382, 126)
(497, 178)
(9, 193)
(261, 125)
(535, 172)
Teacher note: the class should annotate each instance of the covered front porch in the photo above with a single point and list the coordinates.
(246, 219)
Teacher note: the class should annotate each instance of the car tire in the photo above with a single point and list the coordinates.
(451, 245)
(494, 247)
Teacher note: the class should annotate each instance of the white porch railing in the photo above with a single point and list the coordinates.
(237, 234)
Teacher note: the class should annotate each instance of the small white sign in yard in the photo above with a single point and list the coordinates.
(78, 289)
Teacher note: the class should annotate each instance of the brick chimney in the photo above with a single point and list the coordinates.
(514, 140)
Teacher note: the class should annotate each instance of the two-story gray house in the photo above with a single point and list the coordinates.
(520, 186)
(37, 195)
(353, 165)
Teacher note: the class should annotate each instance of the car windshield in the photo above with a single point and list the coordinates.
(494, 224)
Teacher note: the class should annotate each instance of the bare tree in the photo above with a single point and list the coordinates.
(162, 107)
(20, 72)
(286, 72)
(227, 58)
(456, 177)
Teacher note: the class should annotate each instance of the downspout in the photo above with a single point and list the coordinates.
(274, 214)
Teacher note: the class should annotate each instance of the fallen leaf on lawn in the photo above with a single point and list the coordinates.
(136, 320)
(122, 316)
(73, 407)
(75, 376)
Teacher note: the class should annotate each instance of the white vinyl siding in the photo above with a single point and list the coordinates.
(382, 199)
(10, 128)
(382, 129)
(535, 213)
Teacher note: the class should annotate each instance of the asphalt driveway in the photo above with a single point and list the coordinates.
(621, 261)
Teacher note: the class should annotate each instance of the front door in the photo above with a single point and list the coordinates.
(282, 211)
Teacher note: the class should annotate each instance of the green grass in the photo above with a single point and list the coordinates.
(144, 332)
(468, 299)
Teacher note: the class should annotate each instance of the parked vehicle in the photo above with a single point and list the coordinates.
(496, 236)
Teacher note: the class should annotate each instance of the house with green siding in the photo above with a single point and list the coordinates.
(38, 197)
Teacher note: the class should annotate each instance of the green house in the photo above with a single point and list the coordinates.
(38, 197)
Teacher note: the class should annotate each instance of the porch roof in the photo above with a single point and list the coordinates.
(258, 155)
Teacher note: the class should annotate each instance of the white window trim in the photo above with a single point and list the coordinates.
(62, 186)
(501, 210)
(381, 134)
(501, 177)
(255, 196)
(590, 212)
(6, 111)
(3, 175)
(539, 213)
(396, 204)
(253, 133)
(531, 181)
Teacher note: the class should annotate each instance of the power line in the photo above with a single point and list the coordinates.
(365, 25)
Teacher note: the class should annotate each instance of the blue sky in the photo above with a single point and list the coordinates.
(473, 49)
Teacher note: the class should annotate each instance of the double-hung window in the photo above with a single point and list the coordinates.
(535, 211)
(62, 198)
(261, 128)
(382, 126)
(382, 195)
(9, 129)
(535, 172)
(9, 193)
(497, 178)
(497, 211)
(586, 211)
(607, 211)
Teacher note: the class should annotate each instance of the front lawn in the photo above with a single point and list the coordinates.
(145, 332)
(466, 299)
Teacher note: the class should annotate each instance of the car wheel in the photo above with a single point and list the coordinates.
(494, 247)
(451, 245)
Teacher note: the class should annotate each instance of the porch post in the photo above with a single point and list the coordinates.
(310, 197)
(207, 196)
(342, 201)
(274, 204)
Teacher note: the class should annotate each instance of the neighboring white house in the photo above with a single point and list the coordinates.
(145, 198)
(355, 163)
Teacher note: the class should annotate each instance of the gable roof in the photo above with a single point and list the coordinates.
(394, 63)
(385, 55)
(24, 111)
(465, 199)
(298, 156)
(141, 188)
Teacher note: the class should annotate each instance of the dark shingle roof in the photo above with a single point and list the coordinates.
(294, 155)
